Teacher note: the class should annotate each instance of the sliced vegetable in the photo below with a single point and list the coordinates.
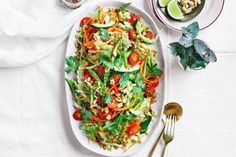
(138, 27)
(99, 25)
(144, 125)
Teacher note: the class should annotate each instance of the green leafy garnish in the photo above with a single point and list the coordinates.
(124, 79)
(94, 75)
(86, 114)
(154, 70)
(193, 53)
(90, 130)
(124, 7)
(72, 64)
(106, 59)
(104, 34)
(144, 125)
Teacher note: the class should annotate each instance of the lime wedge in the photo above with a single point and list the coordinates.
(174, 10)
(163, 3)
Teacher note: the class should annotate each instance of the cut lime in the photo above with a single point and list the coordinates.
(174, 10)
(163, 3)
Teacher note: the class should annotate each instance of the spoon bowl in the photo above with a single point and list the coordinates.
(173, 108)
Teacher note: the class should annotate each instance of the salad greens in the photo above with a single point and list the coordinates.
(116, 75)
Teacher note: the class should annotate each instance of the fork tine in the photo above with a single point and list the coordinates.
(172, 131)
(167, 125)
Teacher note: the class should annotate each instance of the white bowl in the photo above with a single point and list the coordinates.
(86, 10)
(73, 5)
(209, 14)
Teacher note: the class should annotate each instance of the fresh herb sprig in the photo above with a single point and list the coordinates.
(194, 53)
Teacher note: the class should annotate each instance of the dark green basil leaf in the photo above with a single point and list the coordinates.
(144, 125)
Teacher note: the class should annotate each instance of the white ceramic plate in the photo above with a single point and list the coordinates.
(209, 14)
(89, 9)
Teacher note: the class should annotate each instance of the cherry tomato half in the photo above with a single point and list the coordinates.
(100, 70)
(100, 101)
(134, 18)
(103, 114)
(87, 74)
(86, 20)
(132, 34)
(133, 59)
(133, 128)
(77, 114)
(149, 34)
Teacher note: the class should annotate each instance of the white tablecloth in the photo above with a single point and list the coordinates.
(33, 115)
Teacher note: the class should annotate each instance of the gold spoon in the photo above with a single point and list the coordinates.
(171, 108)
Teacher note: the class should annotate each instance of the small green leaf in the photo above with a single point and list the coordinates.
(72, 64)
(124, 79)
(176, 48)
(124, 7)
(191, 31)
(144, 125)
(154, 70)
(108, 98)
(86, 114)
(104, 34)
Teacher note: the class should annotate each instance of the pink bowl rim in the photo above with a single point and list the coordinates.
(179, 30)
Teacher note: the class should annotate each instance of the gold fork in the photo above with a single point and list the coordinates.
(169, 131)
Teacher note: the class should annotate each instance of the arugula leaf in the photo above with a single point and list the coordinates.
(124, 79)
(108, 98)
(144, 125)
(72, 64)
(86, 114)
(124, 7)
(73, 86)
(104, 34)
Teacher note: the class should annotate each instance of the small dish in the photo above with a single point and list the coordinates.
(209, 14)
(73, 5)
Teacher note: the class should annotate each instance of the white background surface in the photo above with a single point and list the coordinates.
(33, 115)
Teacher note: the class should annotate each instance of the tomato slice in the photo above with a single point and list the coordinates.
(133, 128)
(133, 59)
(132, 34)
(87, 74)
(77, 115)
(86, 20)
(100, 70)
(103, 114)
(149, 34)
(134, 18)
(154, 80)
(100, 101)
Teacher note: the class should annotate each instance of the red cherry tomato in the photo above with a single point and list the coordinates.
(103, 114)
(91, 30)
(87, 74)
(133, 59)
(100, 101)
(113, 104)
(132, 34)
(77, 115)
(154, 80)
(134, 18)
(133, 128)
(149, 34)
(100, 70)
(86, 20)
